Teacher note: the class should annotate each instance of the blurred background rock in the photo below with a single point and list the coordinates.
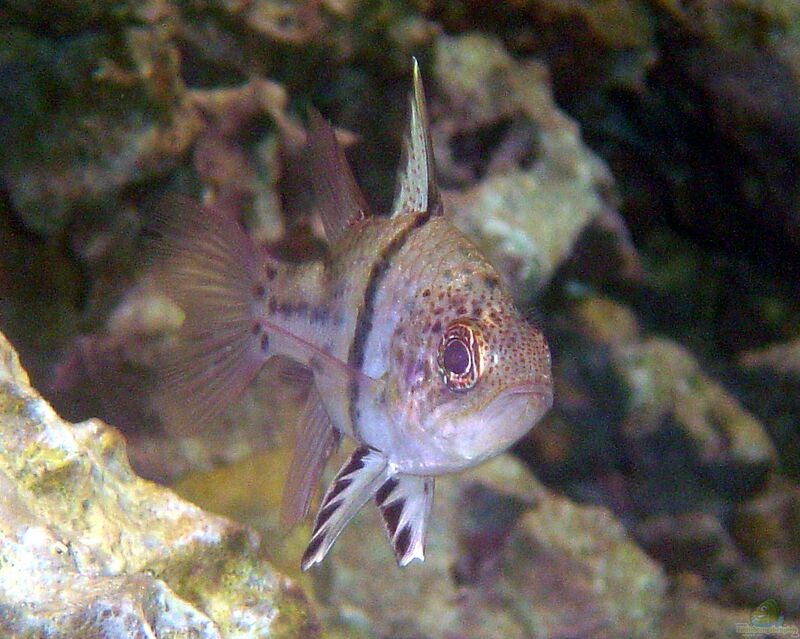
(633, 169)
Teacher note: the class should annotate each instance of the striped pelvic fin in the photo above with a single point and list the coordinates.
(357, 480)
(405, 504)
(417, 192)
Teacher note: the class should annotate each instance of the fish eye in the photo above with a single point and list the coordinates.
(460, 355)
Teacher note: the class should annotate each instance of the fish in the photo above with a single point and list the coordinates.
(415, 350)
(767, 614)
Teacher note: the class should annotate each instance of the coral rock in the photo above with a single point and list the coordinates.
(89, 549)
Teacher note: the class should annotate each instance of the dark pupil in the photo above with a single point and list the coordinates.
(456, 357)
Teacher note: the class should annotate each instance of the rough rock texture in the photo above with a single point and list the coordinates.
(693, 614)
(88, 549)
(642, 405)
(87, 115)
(541, 186)
(641, 428)
(769, 382)
(694, 105)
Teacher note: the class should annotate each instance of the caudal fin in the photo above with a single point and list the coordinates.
(207, 265)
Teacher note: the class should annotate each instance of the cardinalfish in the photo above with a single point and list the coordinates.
(415, 348)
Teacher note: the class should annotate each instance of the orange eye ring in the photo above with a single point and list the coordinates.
(459, 359)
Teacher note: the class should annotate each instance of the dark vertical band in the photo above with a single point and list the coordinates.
(363, 328)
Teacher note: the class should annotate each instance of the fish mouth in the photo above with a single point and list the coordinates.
(523, 403)
(538, 389)
(502, 421)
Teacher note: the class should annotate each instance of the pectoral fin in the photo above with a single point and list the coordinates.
(354, 484)
(405, 504)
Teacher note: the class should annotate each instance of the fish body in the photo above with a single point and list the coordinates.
(417, 351)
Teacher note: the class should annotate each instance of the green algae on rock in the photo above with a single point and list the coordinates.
(89, 549)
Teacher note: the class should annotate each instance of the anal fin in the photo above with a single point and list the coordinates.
(405, 503)
(316, 440)
(355, 483)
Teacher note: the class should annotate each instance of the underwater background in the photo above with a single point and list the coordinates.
(632, 167)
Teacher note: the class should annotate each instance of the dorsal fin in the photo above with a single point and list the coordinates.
(338, 198)
(417, 188)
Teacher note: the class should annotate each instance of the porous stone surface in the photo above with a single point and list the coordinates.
(541, 186)
(88, 549)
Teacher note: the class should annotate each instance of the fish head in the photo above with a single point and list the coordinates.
(767, 614)
(469, 375)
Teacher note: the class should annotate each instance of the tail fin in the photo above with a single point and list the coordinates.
(206, 264)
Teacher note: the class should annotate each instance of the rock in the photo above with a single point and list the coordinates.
(504, 555)
(89, 549)
(668, 391)
(10, 368)
(768, 380)
(120, 116)
(640, 427)
(764, 527)
(643, 406)
(692, 613)
(689, 541)
(541, 187)
(694, 107)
